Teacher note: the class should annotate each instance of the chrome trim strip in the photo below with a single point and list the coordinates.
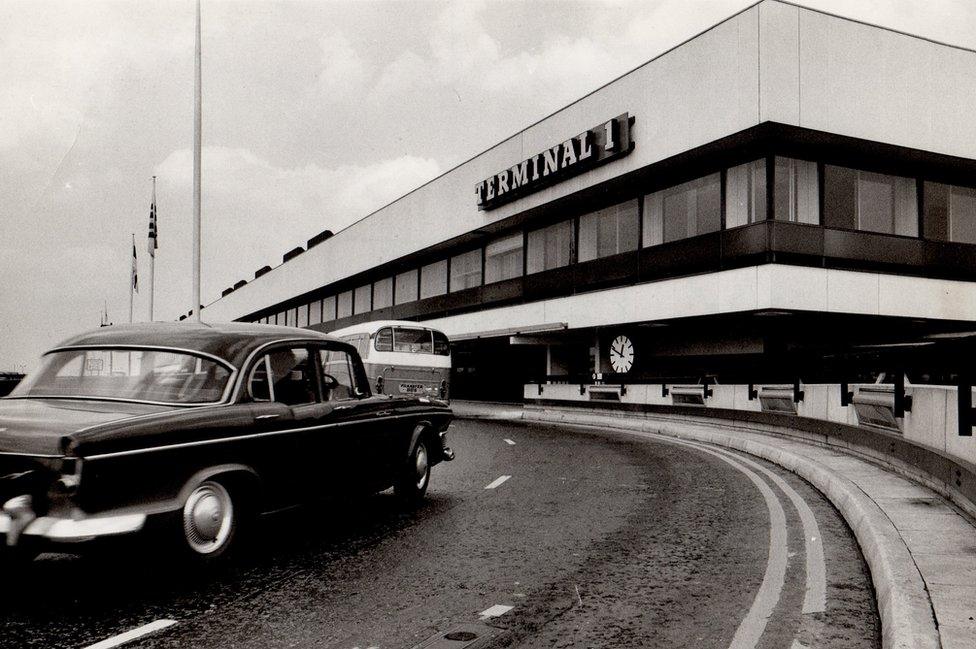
(237, 438)
(38, 455)
(192, 352)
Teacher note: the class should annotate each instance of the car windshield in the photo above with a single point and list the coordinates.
(160, 376)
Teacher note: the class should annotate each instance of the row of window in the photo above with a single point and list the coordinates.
(852, 199)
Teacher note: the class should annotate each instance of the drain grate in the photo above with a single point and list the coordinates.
(465, 636)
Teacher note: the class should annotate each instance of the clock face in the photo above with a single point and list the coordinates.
(621, 354)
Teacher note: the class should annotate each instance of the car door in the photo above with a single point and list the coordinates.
(362, 419)
(287, 406)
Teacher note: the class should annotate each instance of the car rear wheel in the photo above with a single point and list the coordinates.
(210, 520)
(411, 484)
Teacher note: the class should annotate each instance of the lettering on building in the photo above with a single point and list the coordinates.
(592, 147)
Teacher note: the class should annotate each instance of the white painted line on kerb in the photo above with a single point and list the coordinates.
(494, 611)
(497, 482)
(134, 634)
(509, 442)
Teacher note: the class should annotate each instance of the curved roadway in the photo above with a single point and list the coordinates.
(536, 536)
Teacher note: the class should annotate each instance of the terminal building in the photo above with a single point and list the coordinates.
(778, 200)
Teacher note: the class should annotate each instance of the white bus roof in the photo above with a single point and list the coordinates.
(373, 326)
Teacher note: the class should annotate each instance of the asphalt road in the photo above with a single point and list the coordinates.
(595, 540)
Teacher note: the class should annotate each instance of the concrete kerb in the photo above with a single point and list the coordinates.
(907, 619)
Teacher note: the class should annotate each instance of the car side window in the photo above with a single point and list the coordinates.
(338, 382)
(285, 376)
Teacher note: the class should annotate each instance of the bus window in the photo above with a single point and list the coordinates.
(441, 346)
(412, 340)
(384, 340)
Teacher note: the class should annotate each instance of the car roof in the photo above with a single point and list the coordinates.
(231, 341)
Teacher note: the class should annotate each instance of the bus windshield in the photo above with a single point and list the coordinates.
(411, 340)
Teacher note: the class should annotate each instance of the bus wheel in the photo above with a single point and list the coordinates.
(411, 484)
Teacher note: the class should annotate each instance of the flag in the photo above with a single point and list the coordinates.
(153, 244)
(135, 266)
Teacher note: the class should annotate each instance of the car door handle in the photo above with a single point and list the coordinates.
(271, 416)
(384, 413)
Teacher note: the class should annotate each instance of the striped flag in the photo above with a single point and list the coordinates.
(135, 266)
(153, 244)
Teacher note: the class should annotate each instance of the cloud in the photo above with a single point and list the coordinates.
(253, 211)
(343, 73)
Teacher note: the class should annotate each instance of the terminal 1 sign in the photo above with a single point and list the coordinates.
(590, 148)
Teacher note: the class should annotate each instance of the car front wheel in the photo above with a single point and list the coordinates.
(210, 521)
(411, 484)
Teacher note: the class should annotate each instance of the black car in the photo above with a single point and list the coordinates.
(196, 428)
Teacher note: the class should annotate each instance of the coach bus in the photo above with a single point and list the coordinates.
(402, 357)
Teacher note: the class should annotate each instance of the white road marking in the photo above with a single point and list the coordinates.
(753, 625)
(497, 482)
(509, 442)
(494, 611)
(134, 634)
(815, 600)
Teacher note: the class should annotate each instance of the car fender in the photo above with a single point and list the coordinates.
(210, 472)
(418, 432)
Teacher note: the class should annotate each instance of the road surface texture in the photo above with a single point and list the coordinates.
(536, 536)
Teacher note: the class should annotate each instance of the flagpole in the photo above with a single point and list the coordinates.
(197, 128)
(152, 256)
(132, 275)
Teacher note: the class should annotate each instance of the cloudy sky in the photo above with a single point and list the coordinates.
(315, 114)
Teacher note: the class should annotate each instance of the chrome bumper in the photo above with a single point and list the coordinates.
(67, 530)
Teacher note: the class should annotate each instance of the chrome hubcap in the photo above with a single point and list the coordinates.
(207, 518)
(421, 464)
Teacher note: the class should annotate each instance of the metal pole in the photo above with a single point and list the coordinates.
(152, 259)
(197, 128)
(132, 273)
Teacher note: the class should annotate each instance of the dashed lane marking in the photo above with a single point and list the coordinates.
(495, 611)
(497, 482)
(753, 625)
(134, 634)
(509, 442)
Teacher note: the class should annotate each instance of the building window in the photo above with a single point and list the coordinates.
(383, 293)
(315, 312)
(609, 231)
(745, 194)
(280, 319)
(950, 212)
(363, 299)
(344, 305)
(683, 211)
(433, 279)
(466, 270)
(503, 258)
(329, 308)
(796, 191)
(406, 287)
(550, 247)
(863, 200)
(303, 315)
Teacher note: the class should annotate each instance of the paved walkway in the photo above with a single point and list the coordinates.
(921, 549)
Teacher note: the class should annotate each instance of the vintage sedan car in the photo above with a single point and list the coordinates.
(192, 429)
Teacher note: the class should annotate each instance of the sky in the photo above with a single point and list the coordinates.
(315, 114)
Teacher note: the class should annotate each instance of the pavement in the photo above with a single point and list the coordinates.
(920, 549)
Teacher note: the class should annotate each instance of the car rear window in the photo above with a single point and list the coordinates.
(153, 375)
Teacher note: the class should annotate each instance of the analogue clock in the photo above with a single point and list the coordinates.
(621, 354)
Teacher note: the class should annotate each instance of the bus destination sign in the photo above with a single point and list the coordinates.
(590, 148)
